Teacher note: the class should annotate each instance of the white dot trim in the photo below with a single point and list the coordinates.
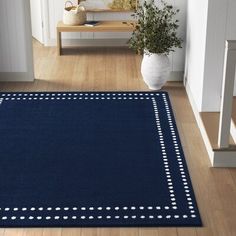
(93, 217)
(74, 96)
(1, 100)
(163, 150)
(177, 149)
(84, 209)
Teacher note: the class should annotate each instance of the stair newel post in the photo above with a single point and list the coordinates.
(227, 94)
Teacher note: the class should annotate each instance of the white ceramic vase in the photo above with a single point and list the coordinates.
(155, 70)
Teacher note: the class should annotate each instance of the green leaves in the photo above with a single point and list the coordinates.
(156, 29)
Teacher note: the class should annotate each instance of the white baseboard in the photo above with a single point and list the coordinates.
(233, 130)
(176, 76)
(16, 77)
(200, 123)
(225, 159)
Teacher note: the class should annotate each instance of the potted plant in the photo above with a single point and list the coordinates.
(155, 36)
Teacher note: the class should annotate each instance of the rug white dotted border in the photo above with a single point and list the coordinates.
(75, 96)
(91, 217)
(164, 154)
(171, 121)
(111, 96)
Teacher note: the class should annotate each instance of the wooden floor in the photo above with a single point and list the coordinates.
(119, 69)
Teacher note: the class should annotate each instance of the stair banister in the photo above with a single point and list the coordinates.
(227, 93)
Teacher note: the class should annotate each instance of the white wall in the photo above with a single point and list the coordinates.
(195, 48)
(214, 57)
(231, 26)
(15, 41)
(210, 23)
(55, 12)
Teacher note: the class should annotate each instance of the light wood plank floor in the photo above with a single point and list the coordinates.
(118, 69)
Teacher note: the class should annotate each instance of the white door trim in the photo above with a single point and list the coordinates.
(227, 93)
(37, 20)
(28, 75)
(45, 17)
(28, 42)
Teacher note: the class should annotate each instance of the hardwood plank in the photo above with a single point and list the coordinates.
(167, 232)
(129, 231)
(89, 232)
(121, 67)
(52, 232)
(2, 231)
(111, 60)
(33, 232)
(71, 232)
(186, 232)
(108, 232)
(14, 232)
(204, 231)
(133, 77)
(80, 72)
(233, 174)
(148, 232)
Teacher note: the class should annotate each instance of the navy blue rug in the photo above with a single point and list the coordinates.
(92, 160)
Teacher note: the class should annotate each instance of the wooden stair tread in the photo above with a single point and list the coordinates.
(211, 124)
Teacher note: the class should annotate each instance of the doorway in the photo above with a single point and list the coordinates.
(37, 23)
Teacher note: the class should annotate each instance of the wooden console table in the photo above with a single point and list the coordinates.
(103, 26)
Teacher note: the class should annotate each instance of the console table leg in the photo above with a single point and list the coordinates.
(59, 43)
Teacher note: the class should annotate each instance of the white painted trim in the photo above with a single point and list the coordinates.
(45, 17)
(217, 158)
(225, 159)
(227, 94)
(231, 44)
(16, 77)
(29, 75)
(200, 123)
(176, 76)
(233, 130)
(42, 17)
